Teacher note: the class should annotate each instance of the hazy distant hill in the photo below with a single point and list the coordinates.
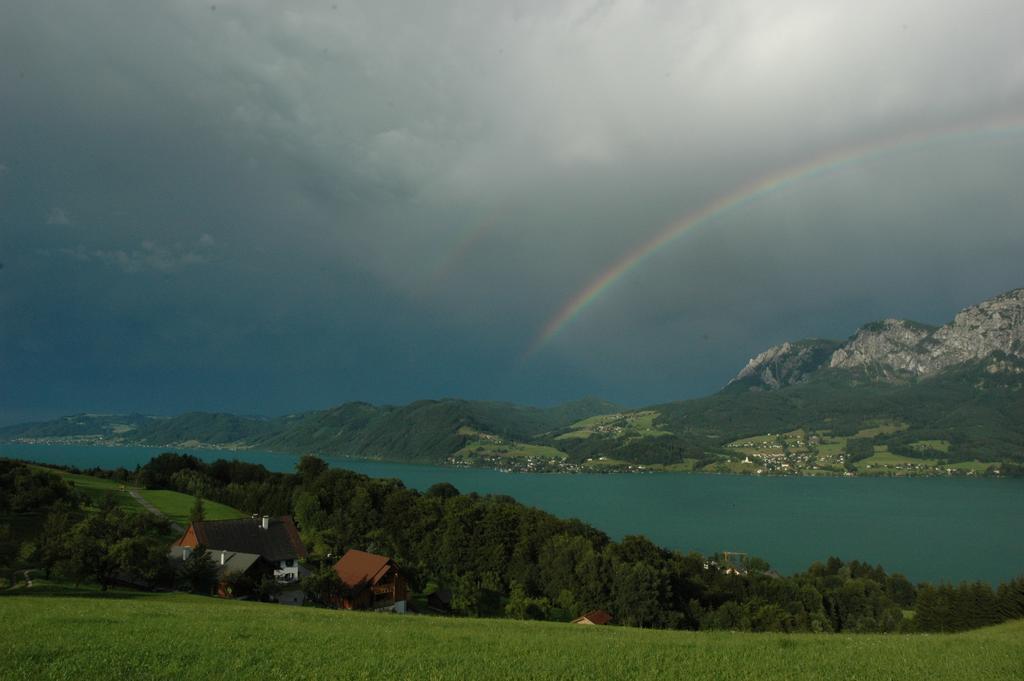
(76, 425)
(427, 430)
(954, 393)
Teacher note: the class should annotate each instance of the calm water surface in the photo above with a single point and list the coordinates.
(927, 528)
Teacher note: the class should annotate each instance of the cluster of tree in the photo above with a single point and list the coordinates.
(106, 545)
(967, 606)
(26, 495)
(498, 557)
(24, 489)
(858, 449)
(62, 535)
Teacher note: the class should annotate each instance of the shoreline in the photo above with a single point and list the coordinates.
(522, 464)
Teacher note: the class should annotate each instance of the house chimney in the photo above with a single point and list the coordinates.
(266, 522)
(185, 552)
(223, 556)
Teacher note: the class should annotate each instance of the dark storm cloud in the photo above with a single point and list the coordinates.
(266, 206)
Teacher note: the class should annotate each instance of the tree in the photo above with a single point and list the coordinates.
(158, 472)
(23, 489)
(105, 545)
(522, 607)
(238, 584)
(198, 511)
(140, 558)
(310, 467)
(50, 545)
(443, 490)
(637, 588)
(323, 586)
(198, 572)
(267, 588)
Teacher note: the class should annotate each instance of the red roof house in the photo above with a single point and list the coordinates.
(594, 617)
(371, 582)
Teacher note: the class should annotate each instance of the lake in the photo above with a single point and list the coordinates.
(927, 528)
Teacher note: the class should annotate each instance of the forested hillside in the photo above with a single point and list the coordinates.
(495, 556)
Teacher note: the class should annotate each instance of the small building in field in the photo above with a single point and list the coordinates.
(440, 601)
(228, 563)
(371, 582)
(594, 617)
(255, 547)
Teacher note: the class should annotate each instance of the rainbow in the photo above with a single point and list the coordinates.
(749, 193)
(465, 244)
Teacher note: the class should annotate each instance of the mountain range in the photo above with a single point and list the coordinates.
(959, 384)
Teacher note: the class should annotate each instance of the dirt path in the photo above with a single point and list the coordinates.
(153, 509)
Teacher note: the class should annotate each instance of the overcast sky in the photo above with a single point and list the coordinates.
(266, 207)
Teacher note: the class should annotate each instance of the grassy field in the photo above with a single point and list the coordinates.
(516, 449)
(96, 488)
(882, 428)
(883, 457)
(629, 425)
(176, 506)
(65, 634)
(976, 466)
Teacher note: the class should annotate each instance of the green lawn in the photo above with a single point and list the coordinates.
(976, 466)
(517, 449)
(884, 457)
(81, 634)
(176, 506)
(96, 488)
(754, 441)
(632, 424)
(575, 435)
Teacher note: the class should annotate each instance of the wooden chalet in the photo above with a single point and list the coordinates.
(371, 582)
(594, 617)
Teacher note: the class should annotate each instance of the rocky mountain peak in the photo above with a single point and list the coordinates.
(786, 364)
(897, 348)
(891, 346)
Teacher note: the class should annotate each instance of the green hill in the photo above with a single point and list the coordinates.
(424, 431)
(974, 406)
(77, 425)
(57, 633)
(214, 429)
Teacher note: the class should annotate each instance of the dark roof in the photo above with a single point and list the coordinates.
(441, 596)
(440, 600)
(234, 561)
(596, 616)
(359, 568)
(280, 541)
